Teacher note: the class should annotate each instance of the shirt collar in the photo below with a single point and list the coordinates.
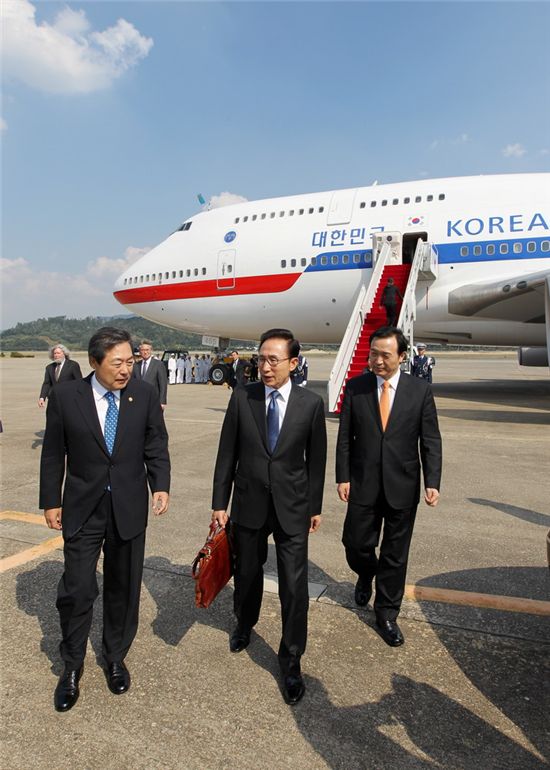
(393, 380)
(99, 390)
(284, 390)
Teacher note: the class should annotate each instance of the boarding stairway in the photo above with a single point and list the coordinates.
(368, 315)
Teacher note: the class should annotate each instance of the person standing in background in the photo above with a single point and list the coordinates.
(152, 371)
(422, 364)
(61, 370)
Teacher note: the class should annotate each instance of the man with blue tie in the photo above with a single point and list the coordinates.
(105, 440)
(272, 456)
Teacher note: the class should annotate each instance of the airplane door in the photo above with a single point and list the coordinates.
(226, 269)
(341, 207)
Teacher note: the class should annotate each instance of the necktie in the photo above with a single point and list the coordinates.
(111, 419)
(273, 421)
(143, 369)
(385, 404)
(57, 371)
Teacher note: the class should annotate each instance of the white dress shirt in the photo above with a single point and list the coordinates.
(282, 401)
(393, 386)
(101, 403)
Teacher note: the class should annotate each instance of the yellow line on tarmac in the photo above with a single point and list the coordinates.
(30, 518)
(472, 599)
(30, 553)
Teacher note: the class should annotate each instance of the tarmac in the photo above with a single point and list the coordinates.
(469, 689)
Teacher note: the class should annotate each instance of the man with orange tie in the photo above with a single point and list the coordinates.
(386, 418)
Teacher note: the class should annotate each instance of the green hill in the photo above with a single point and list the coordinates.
(75, 333)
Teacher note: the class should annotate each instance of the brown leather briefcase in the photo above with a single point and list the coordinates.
(213, 566)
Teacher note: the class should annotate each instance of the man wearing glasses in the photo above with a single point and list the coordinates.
(272, 455)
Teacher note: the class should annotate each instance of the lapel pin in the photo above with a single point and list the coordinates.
(130, 399)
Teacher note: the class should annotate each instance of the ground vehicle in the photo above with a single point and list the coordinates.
(220, 371)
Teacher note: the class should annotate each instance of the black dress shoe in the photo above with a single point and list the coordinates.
(118, 677)
(390, 632)
(363, 593)
(67, 690)
(293, 688)
(240, 639)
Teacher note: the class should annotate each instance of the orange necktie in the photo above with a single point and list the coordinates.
(385, 404)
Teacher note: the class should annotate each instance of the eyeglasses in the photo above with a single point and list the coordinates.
(273, 361)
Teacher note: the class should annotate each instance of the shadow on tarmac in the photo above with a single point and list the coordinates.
(525, 514)
(515, 393)
(498, 416)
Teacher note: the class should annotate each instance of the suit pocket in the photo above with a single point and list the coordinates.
(241, 483)
(411, 467)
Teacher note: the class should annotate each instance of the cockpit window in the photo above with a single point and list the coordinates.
(185, 226)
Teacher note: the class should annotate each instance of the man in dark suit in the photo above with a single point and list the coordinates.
(272, 453)
(386, 417)
(389, 301)
(152, 371)
(238, 373)
(61, 370)
(105, 437)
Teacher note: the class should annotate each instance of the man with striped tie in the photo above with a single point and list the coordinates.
(386, 418)
(272, 456)
(105, 441)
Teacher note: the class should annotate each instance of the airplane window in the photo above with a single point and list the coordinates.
(125, 281)
(464, 250)
(254, 217)
(303, 262)
(430, 198)
(531, 246)
(281, 213)
(490, 249)
(237, 221)
(292, 263)
(283, 262)
(345, 259)
(442, 196)
(334, 259)
(301, 212)
(263, 216)
(324, 260)
(372, 204)
(153, 277)
(504, 248)
(518, 248)
(311, 211)
(321, 209)
(477, 251)
(203, 271)
(418, 199)
(362, 205)
(245, 219)
(406, 200)
(272, 215)
(135, 279)
(545, 245)
(188, 273)
(314, 261)
(384, 203)
(173, 273)
(181, 274)
(196, 271)
(291, 213)
(356, 258)
(395, 201)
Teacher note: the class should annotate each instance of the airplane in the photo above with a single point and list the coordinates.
(301, 261)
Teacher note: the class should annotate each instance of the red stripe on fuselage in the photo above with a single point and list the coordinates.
(253, 284)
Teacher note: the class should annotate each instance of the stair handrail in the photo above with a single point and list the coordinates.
(407, 314)
(363, 305)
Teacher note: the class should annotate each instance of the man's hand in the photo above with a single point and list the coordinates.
(163, 407)
(53, 517)
(221, 517)
(160, 503)
(315, 524)
(431, 496)
(343, 491)
(41, 402)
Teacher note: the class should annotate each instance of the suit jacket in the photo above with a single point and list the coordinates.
(69, 371)
(156, 375)
(140, 455)
(390, 295)
(238, 374)
(374, 460)
(293, 476)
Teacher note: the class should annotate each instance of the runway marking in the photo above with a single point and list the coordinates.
(18, 559)
(473, 599)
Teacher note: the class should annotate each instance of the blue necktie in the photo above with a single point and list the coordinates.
(273, 421)
(111, 419)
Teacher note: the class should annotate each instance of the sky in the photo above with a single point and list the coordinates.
(115, 115)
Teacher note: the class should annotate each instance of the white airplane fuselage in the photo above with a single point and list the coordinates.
(300, 261)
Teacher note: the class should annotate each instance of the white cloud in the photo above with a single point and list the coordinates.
(544, 151)
(463, 138)
(3, 125)
(29, 293)
(225, 199)
(67, 56)
(514, 150)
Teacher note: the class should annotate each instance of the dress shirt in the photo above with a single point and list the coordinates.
(393, 386)
(58, 368)
(101, 403)
(282, 401)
